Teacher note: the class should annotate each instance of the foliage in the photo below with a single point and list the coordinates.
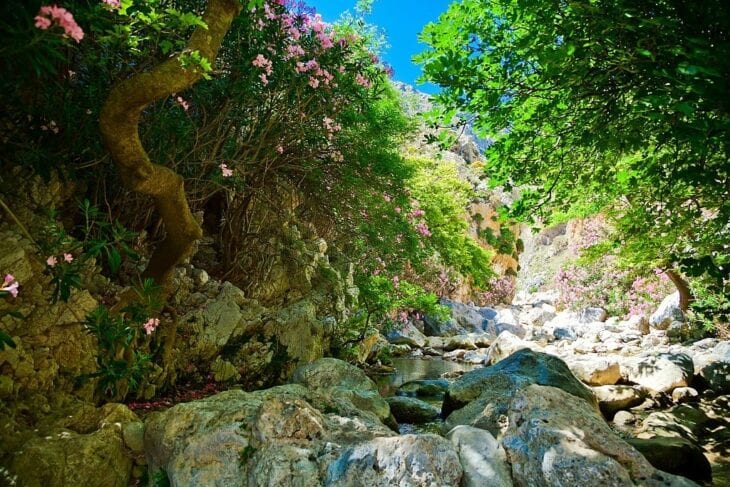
(67, 257)
(603, 282)
(618, 106)
(122, 366)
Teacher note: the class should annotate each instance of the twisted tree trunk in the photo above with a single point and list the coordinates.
(685, 295)
(119, 124)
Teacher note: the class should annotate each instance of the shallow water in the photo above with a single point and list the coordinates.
(408, 369)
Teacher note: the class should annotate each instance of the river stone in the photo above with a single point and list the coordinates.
(623, 418)
(685, 394)
(406, 334)
(713, 366)
(555, 438)
(472, 318)
(482, 457)
(617, 397)
(68, 458)
(593, 315)
(411, 410)
(339, 379)
(667, 312)
(505, 345)
(436, 327)
(133, 435)
(637, 323)
(475, 356)
(595, 371)
(481, 397)
(408, 460)
(677, 456)
(660, 372)
(424, 388)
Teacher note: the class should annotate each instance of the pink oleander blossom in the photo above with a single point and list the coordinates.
(112, 3)
(226, 172)
(68, 258)
(52, 261)
(10, 285)
(50, 14)
(362, 81)
(151, 325)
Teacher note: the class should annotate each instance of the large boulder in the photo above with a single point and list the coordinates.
(713, 366)
(433, 326)
(675, 455)
(614, 398)
(505, 345)
(289, 435)
(483, 459)
(482, 397)
(667, 312)
(408, 460)
(338, 379)
(88, 447)
(472, 318)
(593, 315)
(595, 371)
(411, 410)
(659, 372)
(406, 334)
(555, 438)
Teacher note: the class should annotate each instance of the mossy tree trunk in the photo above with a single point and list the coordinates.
(119, 123)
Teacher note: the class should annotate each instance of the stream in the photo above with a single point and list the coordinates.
(408, 369)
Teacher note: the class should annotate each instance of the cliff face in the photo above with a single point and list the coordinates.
(467, 152)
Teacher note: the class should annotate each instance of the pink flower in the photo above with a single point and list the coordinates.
(422, 228)
(183, 103)
(68, 258)
(313, 82)
(151, 325)
(362, 81)
(398, 209)
(48, 14)
(396, 282)
(225, 171)
(51, 261)
(111, 3)
(10, 286)
(42, 22)
(262, 62)
(264, 79)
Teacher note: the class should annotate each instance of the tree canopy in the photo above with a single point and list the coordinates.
(609, 105)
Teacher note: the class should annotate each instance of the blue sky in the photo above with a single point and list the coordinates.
(402, 21)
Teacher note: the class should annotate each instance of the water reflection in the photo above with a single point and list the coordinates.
(408, 369)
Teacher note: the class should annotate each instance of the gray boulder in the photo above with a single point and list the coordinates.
(659, 372)
(667, 312)
(412, 410)
(483, 459)
(713, 366)
(612, 399)
(406, 334)
(593, 315)
(555, 438)
(676, 456)
(424, 388)
(482, 397)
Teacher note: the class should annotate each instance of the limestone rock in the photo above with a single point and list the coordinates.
(685, 394)
(676, 456)
(595, 371)
(408, 461)
(412, 410)
(68, 458)
(667, 312)
(593, 315)
(555, 438)
(482, 397)
(406, 334)
(482, 457)
(660, 372)
(505, 345)
(613, 398)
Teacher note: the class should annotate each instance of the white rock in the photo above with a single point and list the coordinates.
(483, 459)
(667, 312)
